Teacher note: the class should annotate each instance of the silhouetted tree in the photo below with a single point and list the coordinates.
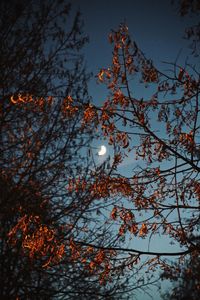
(186, 282)
(44, 145)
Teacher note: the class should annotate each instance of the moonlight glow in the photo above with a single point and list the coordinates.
(102, 151)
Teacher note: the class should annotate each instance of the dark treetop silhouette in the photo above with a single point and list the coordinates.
(43, 145)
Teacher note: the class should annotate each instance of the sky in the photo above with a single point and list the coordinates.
(155, 26)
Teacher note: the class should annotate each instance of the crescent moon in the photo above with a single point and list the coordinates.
(102, 151)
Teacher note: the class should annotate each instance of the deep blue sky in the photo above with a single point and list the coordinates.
(155, 26)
